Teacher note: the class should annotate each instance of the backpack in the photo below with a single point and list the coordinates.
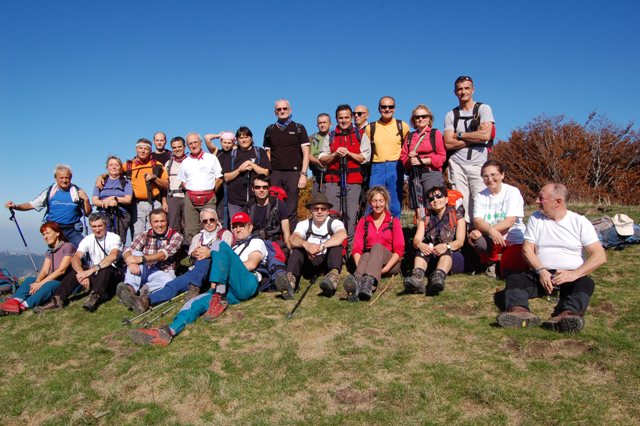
(471, 127)
(366, 233)
(273, 266)
(277, 192)
(270, 127)
(372, 132)
(234, 154)
(156, 168)
(79, 203)
(454, 199)
(273, 227)
(8, 283)
(321, 237)
(432, 139)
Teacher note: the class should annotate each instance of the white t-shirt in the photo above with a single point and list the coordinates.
(496, 208)
(96, 248)
(200, 174)
(478, 152)
(560, 244)
(255, 244)
(319, 235)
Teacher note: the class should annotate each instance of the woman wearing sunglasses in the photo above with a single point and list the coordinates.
(439, 237)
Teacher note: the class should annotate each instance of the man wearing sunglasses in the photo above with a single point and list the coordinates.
(386, 136)
(468, 128)
(361, 117)
(269, 214)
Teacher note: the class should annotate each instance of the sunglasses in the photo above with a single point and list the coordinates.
(260, 186)
(282, 109)
(319, 209)
(359, 113)
(387, 107)
(210, 220)
(435, 197)
(238, 225)
(421, 117)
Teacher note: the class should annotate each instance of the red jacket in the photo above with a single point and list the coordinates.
(389, 235)
(352, 143)
(425, 150)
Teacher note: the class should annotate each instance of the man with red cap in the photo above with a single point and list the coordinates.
(234, 278)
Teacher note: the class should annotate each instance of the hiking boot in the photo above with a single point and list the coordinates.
(11, 307)
(92, 302)
(329, 283)
(193, 291)
(365, 289)
(216, 307)
(152, 336)
(491, 271)
(124, 292)
(350, 285)
(285, 284)
(52, 305)
(517, 317)
(140, 304)
(436, 282)
(414, 283)
(565, 322)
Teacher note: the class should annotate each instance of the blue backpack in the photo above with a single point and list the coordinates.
(8, 283)
(274, 265)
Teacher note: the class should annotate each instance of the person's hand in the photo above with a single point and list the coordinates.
(302, 182)
(201, 253)
(10, 205)
(245, 166)
(82, 275)
(545, 280)
(342, 151)
(312, 248)
(134, 268)
(563, 277)
(414, 161)
(497, 237)
(165, 205)
(425, 249)
(474, 235)
(35, 287)
(149, 176)
(440, 249)
(83, 195)
(100, 182)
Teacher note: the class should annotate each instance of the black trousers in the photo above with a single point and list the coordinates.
(103, 283)
(299, 261)
(288, 180)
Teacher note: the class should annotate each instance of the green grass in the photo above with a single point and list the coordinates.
(403, 360)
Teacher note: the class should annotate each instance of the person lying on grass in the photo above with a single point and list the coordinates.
(234, 278)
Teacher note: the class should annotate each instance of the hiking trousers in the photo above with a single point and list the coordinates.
(299, 261)
(153, 277)
(288, 180)
(103, 283)
(332, 191)
(372, 262)
(176, 213)
(390, 174)
(466, 179)
(180, 284)
(43, 294)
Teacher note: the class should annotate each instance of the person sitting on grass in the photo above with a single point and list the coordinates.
(100, 277)
(378, 247)
(234, 278)
(553, 247)
(212, 232)
(57, 261)
(439, 237)
(316, 244)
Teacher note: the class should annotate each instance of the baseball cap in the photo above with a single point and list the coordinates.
(241, 217)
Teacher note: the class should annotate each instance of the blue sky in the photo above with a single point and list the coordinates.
(80, 79)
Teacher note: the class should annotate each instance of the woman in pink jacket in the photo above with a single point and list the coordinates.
(423, 154)
(378, 246)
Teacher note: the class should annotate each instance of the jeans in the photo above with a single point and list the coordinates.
(43, 294)
(390, 174)
(180, 284)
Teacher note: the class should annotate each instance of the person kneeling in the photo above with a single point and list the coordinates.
(315, 244)
(437, 241)
(378, 246)
(234, 278)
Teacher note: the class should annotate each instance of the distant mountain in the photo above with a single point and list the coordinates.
(18, 264)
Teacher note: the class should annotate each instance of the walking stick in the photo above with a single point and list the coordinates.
(380, 294)
(160, 315)
(343, 198)
(14, 220)
(139, 317)
(304, 293)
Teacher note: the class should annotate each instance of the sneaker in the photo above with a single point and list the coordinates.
(329, 283)
(124, 292)
(414, 283)
(436, 282)
(517, 317)
(350, 285)
(565, 322)
(92, 302)
(11, 307)
(192, 292)
(216, 307)
(52, 305)
(152, 336)
(365, 289)
(285, 284)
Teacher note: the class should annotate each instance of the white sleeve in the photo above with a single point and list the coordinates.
(448, 121)
(478, 206)
(115, 243)
(486, 114)
(365, 148)
(39, 202)
(84, 244)
(515, 203)
(217, 168)
(588, 233)
(301, 228)
(337, 225)
(531, 232)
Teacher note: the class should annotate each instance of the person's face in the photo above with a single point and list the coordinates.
(227, 144)
(63, 179)
(50, 236)
(178, 149)
(386, 108)
(241, 230)
(209, 222)
(260, 189)
(283, 110)
(344, 119)
(378, 204)
(546, 202)
(361, 115)
(492, 178)
(159, 223)
(99, 228)
(324, 123)
(319, 212)
(159, 140)
(143, 151)
(421, 118)
(195, 144)
(464, 91)
(437, 200)
(244, 141)
(113, 167)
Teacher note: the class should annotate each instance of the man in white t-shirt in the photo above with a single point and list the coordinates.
(316, 244)
(553, 245)
(235, 276)
(101, 276)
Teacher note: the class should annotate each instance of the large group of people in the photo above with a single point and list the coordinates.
(231, 213)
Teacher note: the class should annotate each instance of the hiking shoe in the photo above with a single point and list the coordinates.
(365, 289)
(124, 292)
(491, 271)
(152, 336)
(329, 283)
(92, 302)
(436, 282)
(414, 283)
(52, 305)
(285, 284)
(350, 285)
(216, 307)
(565, 322)
(11, 307)
(139, 304)
(193, 291)
(517, 317)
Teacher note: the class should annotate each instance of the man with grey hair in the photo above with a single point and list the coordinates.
(65, 204)
(201, 176)
(553, 247)
(287, 145)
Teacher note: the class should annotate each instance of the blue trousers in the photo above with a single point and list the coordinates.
(43, 294)
(180, 284)
(227, 269)
(389, 174)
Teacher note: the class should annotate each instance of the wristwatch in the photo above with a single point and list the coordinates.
(537, 271)
(448, 246)
(459, 135)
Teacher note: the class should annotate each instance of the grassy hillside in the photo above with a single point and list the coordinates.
(403, 360)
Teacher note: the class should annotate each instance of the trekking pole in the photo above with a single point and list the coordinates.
(160, 315)
(343, 197)
(139, 317)
(14, 220)
(304, 293)
(414, 181)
